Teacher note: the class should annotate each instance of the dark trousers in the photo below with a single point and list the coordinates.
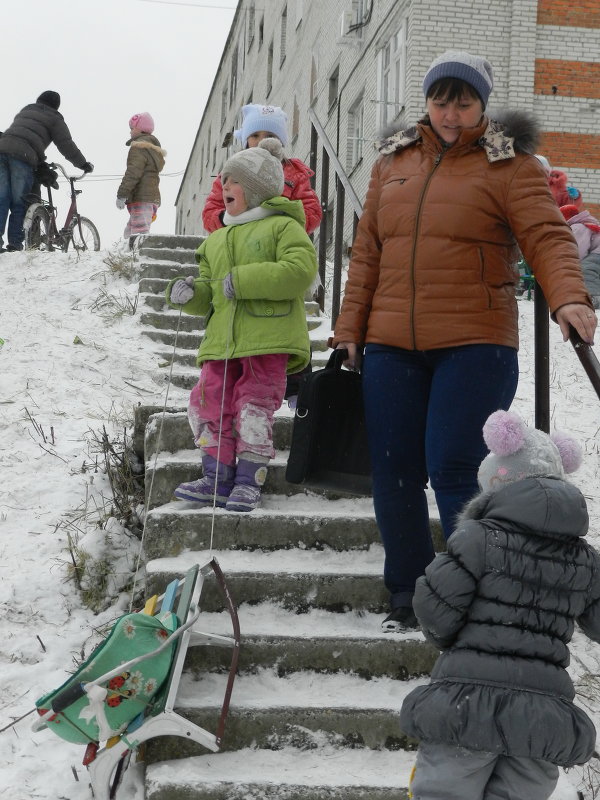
(425, 413)
(16, 179)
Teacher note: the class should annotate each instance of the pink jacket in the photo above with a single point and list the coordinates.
(586, 230)
(297, 186)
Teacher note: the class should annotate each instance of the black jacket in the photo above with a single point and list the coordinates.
(32, 131)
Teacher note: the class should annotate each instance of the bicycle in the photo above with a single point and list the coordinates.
(41, 225)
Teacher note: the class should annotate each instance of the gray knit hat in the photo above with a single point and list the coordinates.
(519, 452)
(474, 70)
(258, 170)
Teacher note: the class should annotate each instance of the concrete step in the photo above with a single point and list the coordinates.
(177, 255)
(171, 319)
(166, 471)
(296, 579)
(322, 641)
(188, 357)
(160, 240)
(315, 523)
(166, 270)
(188, 341)
(157, 302)
(175, 432)
(297, 710)
(323, 772)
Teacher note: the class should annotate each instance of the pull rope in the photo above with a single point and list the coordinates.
(156, 452)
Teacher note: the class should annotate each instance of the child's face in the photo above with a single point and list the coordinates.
(233, 197)
(133, 132)
(257, 137)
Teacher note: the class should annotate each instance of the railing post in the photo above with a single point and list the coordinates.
(587, 357)
(323, 228)
(336, 288)
(541, 359)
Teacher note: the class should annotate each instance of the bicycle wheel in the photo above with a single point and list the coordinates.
(84, 235)
(37, 230)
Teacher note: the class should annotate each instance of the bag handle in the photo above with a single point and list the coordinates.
(337, 358)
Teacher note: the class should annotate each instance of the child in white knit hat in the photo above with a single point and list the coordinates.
(261, 121)
(253, 275)
(498, 716)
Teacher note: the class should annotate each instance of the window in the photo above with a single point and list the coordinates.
(208, 148)
(283, 37)
(295, 120)
(313, 80)
(356, 123)
(223, 106)
(299, 12)
(261, 31)
(251, 23)
(270, 68)
(334, 82)
(392, 76)
(234, 73)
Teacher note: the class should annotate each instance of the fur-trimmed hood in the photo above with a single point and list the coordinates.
(508, 131)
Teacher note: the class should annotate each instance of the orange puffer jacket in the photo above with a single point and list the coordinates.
(433, 259)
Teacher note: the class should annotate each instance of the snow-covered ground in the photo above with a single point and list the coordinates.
(69, 367)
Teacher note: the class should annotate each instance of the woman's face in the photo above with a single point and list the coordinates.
(233, 197)
(257, 137)
(450, 117)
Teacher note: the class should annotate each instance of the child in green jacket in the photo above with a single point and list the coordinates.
(253, 276)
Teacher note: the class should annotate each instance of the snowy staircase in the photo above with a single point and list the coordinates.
(314, 711)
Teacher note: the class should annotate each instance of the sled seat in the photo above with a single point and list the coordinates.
(107, 764)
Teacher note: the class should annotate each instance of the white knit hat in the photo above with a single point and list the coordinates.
(258, 170)
(256, 117)
(519, 452)
(474, 70)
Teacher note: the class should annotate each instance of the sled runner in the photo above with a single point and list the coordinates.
(124, 693)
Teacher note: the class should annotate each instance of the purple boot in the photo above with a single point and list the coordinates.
(249, 480)
(202, 491)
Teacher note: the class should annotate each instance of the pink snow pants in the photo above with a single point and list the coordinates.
(251, 390)
(141, 216)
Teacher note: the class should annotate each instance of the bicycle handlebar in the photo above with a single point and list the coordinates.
(68, 177)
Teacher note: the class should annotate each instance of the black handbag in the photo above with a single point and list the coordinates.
(329, 439)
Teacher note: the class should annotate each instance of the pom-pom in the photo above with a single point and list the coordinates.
(273, 146)
(504, 433)
(570, 451)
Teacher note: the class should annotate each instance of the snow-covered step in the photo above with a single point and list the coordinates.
(297, 710)
(297, 579)
(324, 772)
(165, 471)
(322, 641)
(308, 521)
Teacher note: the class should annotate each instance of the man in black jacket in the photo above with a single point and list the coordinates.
(22, 148)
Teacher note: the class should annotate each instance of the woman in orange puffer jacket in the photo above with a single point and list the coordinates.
(430, 297)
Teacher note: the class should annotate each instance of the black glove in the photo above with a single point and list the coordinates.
(87, 167)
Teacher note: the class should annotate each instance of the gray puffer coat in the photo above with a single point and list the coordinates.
(501, 604)
(32, 131)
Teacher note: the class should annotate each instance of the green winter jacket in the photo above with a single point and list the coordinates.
(145, 160)
(272, 262)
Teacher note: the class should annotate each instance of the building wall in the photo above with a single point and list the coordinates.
(534, 45)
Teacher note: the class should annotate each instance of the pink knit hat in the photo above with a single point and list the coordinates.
(143, 122)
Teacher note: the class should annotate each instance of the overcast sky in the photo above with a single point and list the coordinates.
(108, 60)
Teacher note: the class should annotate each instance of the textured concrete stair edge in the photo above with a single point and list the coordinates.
(169, 536)
(288, 727)
(296, 592)
(158, 240)
(287, 774)
(388, 656)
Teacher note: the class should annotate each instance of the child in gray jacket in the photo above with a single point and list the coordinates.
(498, 716)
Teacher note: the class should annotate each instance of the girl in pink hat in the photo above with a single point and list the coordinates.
(139, 188)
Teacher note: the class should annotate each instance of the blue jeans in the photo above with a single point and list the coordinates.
(425, 413)
(16, 180)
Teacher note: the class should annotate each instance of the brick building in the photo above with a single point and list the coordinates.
(359, 64)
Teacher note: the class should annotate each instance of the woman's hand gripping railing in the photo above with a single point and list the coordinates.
(587, 357)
